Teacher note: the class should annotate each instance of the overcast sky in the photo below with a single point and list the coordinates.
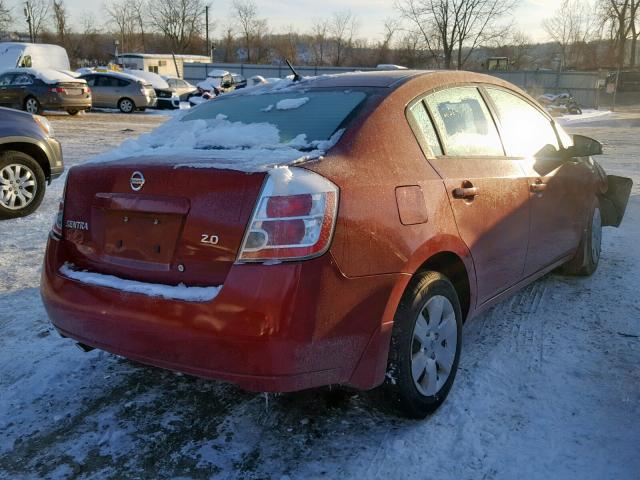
(300, 13)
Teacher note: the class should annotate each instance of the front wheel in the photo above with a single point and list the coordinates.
(22, 185)
(425, 345)
(587, 258)
(126, 105)
(73, 113)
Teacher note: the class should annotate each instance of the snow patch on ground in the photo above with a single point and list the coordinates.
(176, 292)
(587, 114)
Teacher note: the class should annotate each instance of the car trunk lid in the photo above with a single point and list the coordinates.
(157, 223)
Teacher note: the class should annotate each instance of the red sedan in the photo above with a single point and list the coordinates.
(335, 230)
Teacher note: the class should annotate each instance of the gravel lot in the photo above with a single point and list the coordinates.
(549, 381)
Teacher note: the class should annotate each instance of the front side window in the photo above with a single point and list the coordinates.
(527, 131)
(5, 80)
(464, 122)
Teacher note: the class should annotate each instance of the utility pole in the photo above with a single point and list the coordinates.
(206, 19)
(27, 14)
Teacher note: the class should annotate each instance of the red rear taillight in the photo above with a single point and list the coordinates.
(87, 90)
(57, 90)
(294, 217)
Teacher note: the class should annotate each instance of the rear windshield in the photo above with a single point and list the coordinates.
(315, 114)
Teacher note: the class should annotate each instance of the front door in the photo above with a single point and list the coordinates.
(5, 82)
(557, 187)
(487, 191)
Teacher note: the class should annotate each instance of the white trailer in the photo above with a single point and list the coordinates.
(162, 64)
(33, 55)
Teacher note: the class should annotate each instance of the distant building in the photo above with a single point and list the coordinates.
(162, 64)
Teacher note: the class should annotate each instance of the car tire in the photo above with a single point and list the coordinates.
(587, 257)
(73, 113)
(425, 345)
(32, 106)
(126, 105)
(20, 173)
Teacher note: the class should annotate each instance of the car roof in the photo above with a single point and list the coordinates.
(375, 78)
(122, 75)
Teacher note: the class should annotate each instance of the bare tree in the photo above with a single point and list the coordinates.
(37, 12)
(180, 21)
(319, 44)
(391, 26)
(138, 10)
(5, 16)
(229, 45)
(572, 26)
(618, 18)
(252, 28)
(121, 17)
(456, 26)
(60, 20)
(342, 28)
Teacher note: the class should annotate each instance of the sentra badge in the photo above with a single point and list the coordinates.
(76, 225)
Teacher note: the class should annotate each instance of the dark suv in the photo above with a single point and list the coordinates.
(29, 159)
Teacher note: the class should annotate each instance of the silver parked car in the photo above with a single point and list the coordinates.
(183, 88)
(120, 90)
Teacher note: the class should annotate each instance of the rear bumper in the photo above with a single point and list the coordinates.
(273, 328)
(59, 102)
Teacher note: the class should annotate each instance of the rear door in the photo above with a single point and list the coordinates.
(558, 189)
(487, 191)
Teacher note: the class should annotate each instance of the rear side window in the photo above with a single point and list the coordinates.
(526, 131)
(123, 83)
(422, 120)
(464, 122)
(23, 79)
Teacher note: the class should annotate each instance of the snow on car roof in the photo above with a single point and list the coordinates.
(47, 75)
(153, 78)
(112, 73)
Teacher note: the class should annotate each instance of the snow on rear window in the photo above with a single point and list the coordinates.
(291, 103)
(315, 114)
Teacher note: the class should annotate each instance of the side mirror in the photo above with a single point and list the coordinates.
(583, 147)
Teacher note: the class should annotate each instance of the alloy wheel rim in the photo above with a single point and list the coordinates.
(596, 235)
(18, 186)
(433, 346)
(126, 106)
(32, 105)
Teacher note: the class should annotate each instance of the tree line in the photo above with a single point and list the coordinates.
(423, 33)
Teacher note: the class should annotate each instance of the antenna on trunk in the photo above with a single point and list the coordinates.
(296, 75)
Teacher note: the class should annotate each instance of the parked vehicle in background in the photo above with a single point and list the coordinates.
(120, 90)
(32, 55)
(183, 88)
(560, 104)
(216, 83)
(335, 230)
(238, 80)
(629, 80)
(167, 96)
(35, 90)
(29, 158)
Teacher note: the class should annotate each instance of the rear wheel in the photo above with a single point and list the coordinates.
(425, 345)
(126, 105)
(32, 105)
(22, 185)
(587, 257)
(73, 112)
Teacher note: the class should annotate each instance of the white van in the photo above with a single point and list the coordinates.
(33, 55)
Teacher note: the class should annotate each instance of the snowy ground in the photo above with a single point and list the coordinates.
(548, 388)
